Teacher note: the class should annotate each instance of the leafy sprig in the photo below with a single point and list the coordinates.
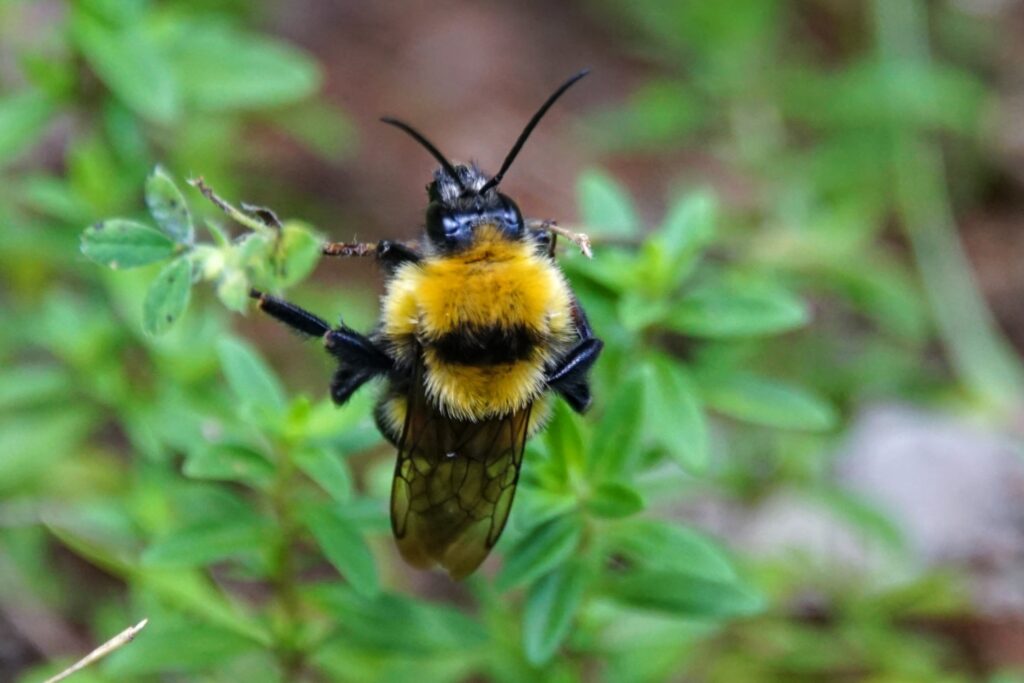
(271, 254)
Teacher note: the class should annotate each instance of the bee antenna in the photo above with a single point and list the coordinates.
(493, 182)
(434, 151)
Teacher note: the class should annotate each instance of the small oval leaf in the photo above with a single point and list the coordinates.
(167, 206)
(298, 251)
(120, 243)
(167, 297)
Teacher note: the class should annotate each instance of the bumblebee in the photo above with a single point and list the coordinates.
(478, 329)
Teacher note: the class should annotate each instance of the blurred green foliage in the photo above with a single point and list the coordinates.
(153, 464)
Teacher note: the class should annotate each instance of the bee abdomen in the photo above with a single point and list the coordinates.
(490, 346)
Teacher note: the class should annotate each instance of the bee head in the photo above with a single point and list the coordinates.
(462, 198)
(458, 207)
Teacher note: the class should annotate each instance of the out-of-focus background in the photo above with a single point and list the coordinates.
(808, 231)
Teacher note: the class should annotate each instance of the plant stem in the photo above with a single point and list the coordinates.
(980, 354)
(283, 575)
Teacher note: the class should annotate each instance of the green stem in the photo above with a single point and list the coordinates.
(284, 580)
(981, 356)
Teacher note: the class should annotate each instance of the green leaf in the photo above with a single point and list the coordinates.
(684, 594)
(298, 253)
(167, 206)
(612, 500)
(100, 551)
(168, 296)
(639, 310)
(32, 444)
(606, 207)
(32, 384)
(564, 439)
(192, 593)
(222, 69)
(674, 417)
(661, 112)
(228, 462)
(551, 605)
(249, 377)
(131, 63)
(23, 118)
(255, 253)
(54, 197)
(344, 547)
(398, 624)
(767, 402)
(540, 550)
(233, 290)
(322, 128)
(172, 644)
(738, 309)
(688, 228)
(327, 470)
(664, 546)
(615, 447)
(615, 269)
(205, 543)
(120, 243)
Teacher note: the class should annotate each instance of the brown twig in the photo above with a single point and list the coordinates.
(349, 249)
(254, 223)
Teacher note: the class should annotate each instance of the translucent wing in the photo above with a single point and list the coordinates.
(454, 484)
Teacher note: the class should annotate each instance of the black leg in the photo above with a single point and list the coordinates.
(394, 254)
(576, 364)
(545, 241)
(297, 318)
(579, 318)
(359, 359)
(569, 377)
(352, 348)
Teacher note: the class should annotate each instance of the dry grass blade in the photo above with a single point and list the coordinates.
(121, 639)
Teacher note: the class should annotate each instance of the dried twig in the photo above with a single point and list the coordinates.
(260, 220)
(349, 249)
(121, 639)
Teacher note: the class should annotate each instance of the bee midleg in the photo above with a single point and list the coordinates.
(299, 319)
(569, 376)
(359, 359)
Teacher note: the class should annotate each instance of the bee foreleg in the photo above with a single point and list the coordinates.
(580, 239)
